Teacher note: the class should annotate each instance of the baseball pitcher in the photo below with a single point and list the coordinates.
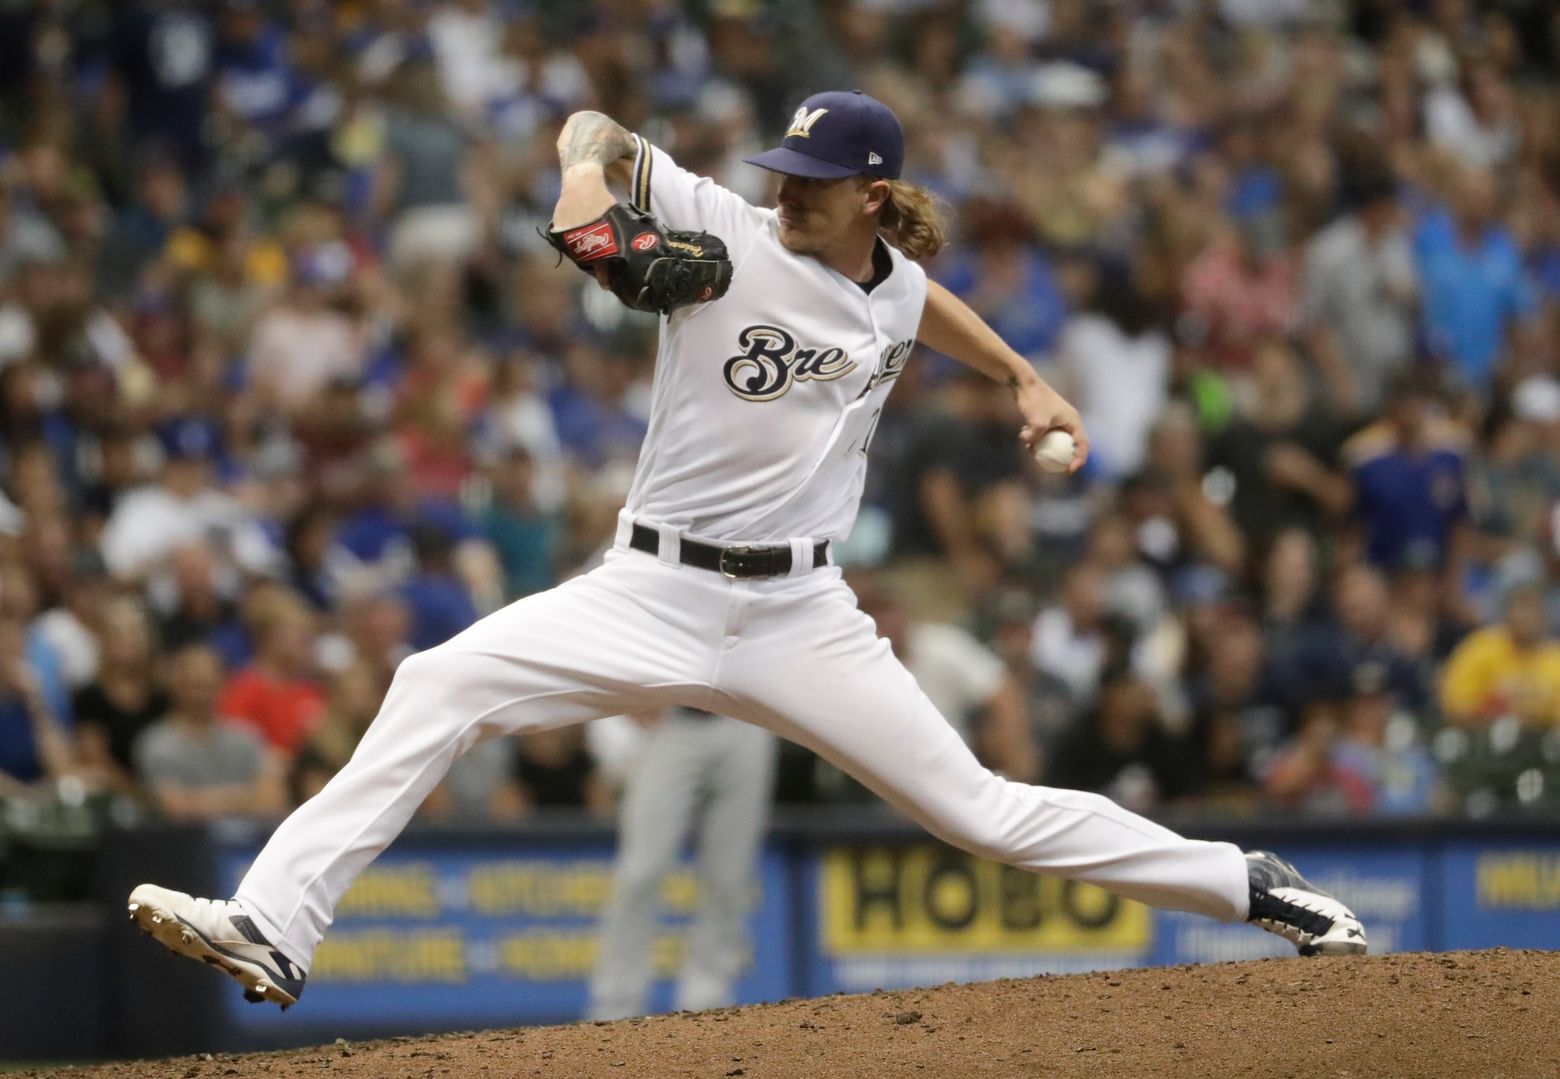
(783, 332)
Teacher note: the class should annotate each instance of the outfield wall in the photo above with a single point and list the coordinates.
(469, 928)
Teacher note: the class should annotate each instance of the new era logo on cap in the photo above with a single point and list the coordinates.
(873, 159)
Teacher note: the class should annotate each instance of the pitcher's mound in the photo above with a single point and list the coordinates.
(1460, 1014)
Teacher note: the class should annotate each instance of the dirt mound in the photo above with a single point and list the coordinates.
(1492, 1014)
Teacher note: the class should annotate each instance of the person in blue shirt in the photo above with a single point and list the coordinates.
(439, 601)
(1380, 750)
(1003, 275)
(1474, 290)
(33, 744)
(1409, 477)
(256, 80)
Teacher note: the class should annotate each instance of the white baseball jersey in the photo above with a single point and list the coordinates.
(765, 400)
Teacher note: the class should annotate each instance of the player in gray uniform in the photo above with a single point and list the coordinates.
(719, 593)
(706, 775)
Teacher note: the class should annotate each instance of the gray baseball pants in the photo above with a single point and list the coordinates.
(700, 774)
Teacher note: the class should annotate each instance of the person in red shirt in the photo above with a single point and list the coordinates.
(274, 694)
(1239, 291)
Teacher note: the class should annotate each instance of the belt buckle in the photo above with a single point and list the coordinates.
(732, 571)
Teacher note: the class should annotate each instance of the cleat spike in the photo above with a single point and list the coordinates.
(133, 908)
(157, 919)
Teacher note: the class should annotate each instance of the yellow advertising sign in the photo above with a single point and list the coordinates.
(1519, 880)
(894, 898)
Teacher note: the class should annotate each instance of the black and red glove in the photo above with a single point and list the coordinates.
(649, 268)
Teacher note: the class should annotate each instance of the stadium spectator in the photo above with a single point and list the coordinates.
(1357, 632)
(355, 693)
(593, 406)
(1306, 777)
(1239, 291)
(1181, 527)
(518, 416)
(1380, 745)
(1047, 703)
(1070, 637)
(1121, 748)
(1290, 585)
(1005, 277)
(316, 565)
(1239, 716)
(959, 462)
(1471, 274)
(193, 762)
(19, 600)
(123, 700)
(185, 506)
(194, 606)
(438, 398)
(1475, 119)
(1408, 471)
(1361, 294)
(25, 238)
(1514, 483)
(306, 341)
(426, 174)
(374, 628)
(34, 742)
(1512, 668)
(438, 600)
(1132, 589)
(79, 585)
(275, 694)
(1279, 450)
(554, 769)
(1113, 360)
(524, 536)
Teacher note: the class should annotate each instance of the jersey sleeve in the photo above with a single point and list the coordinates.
(683, 200)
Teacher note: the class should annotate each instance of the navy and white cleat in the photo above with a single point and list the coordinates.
(218, 932)
(1285, 903)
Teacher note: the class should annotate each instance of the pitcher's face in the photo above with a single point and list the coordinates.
(814, 214)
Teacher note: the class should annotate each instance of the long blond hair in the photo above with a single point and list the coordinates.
(912, 220)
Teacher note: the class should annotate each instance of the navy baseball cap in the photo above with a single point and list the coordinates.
(837, 134)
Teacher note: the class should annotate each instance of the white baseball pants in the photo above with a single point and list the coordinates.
(791, 654)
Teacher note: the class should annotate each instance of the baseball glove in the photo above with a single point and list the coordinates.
(649, 268)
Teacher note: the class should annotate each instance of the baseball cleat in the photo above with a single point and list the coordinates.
(1285, 903)
(221, 933)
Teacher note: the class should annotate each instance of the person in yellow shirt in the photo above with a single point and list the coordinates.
(1511, 668)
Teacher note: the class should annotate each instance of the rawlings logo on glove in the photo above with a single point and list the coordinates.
(647, 267)
(590, 243)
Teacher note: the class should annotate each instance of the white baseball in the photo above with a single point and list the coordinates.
(1055, 450)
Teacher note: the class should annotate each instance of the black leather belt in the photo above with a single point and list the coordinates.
(737, 563)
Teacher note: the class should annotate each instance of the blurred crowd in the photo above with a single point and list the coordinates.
(290, 388)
